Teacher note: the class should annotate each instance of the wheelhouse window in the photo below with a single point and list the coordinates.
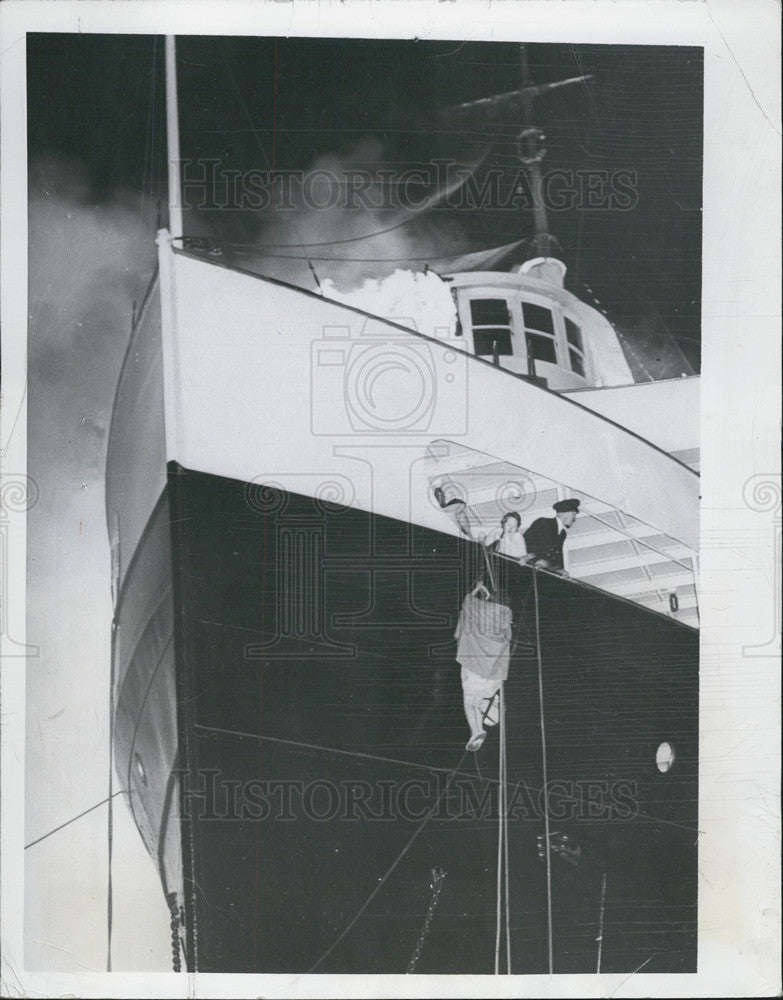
(491, 324)
(539, 332)
(576, 350)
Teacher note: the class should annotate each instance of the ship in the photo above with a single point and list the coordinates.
(283, 469)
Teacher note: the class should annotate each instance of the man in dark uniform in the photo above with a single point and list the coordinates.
(546, 536)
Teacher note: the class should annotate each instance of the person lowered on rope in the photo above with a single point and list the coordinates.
(483, 637)
(546, 537)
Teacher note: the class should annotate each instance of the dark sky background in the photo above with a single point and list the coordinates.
(97, 103)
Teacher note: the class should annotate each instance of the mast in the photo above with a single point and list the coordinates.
(531, 151)
(172, 140)
(529, 141)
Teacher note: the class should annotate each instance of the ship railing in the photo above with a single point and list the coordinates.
(606, 549)
(582, 584)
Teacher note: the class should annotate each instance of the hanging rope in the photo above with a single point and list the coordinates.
(498, 893)
(545, 776)
(505, 826)
(394, 864)
(503, 900)
(600, 937)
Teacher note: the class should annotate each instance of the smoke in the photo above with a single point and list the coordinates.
(87, 262)
(351, 238)
(419, 301)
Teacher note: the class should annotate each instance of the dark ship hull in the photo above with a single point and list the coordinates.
(291, 733)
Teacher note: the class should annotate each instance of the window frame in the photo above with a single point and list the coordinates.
(576, 349)
(552, 337)
(514, 298)
(482, 327)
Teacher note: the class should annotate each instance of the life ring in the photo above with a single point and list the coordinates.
(531, 133)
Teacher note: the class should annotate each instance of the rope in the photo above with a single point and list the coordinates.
(335, 750)
(600, 938)
(415, 213)
(624, 342)
(61, 826)
(503, 909)
(546, 780)
(501, 779)
(505, 826)
(262, 247)
(489, 568)
(271, 166)
(393, 866)
(393, 760)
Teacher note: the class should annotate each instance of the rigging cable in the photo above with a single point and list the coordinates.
(664, 330)
(415, 214)
(546, 779)
(251, 249)
(365, 236)
(624, 341)
(269, 166)
(502, 864)
(393, 866)
(61, 826)
(148, 161)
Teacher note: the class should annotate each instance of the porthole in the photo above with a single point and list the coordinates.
(665, 757)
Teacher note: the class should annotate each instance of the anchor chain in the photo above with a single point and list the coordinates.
(437, 877)
(177, 920)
